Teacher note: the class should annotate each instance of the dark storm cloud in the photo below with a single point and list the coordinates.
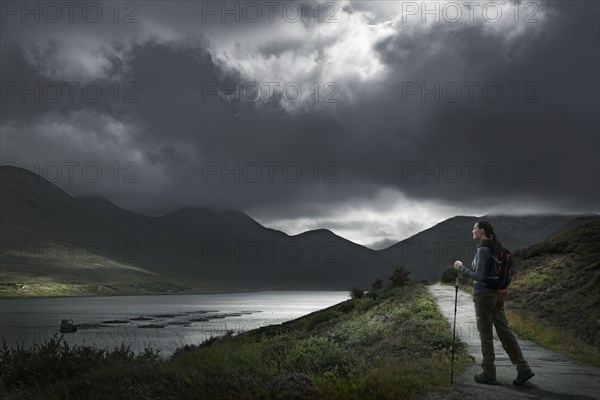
(374, 137)
(561, 61)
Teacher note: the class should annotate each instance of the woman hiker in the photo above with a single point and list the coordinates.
(489, 309)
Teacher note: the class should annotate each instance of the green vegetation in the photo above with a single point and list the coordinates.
(48, 288)
(449, 275)
(56, 361)
(377, 284)
(555, 297)
(399, 276)
(357, 293)
(51, 269)
(390, 344)
(552, 337)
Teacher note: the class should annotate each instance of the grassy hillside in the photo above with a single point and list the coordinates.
(555, 298)
(59, 270)
(390, 344)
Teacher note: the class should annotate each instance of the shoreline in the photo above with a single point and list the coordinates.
(4, 297)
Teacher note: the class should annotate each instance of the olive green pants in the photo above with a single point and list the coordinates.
(489, 310)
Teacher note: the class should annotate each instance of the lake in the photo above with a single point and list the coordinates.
(33, 320)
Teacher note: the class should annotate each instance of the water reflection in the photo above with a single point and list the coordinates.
(178, 320)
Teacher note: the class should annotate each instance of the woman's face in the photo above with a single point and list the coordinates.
(478, 234)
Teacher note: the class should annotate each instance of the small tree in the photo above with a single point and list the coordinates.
(399, 276)
(377, 284)
(357, 293)
(449, 275)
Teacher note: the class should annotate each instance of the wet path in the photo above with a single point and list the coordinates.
(556, 376)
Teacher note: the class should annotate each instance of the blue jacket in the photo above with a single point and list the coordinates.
(480, 267)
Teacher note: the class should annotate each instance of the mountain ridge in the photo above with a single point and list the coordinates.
(216, 249)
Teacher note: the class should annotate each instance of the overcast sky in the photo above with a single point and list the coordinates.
(372, 119)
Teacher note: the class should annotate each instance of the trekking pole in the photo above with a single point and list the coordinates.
(454, 329)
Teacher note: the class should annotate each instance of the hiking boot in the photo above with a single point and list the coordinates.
(487, 380)
(523, 377)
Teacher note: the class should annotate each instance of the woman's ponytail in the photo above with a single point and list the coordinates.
(489, 232)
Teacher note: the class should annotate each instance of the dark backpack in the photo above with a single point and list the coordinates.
(502, 269)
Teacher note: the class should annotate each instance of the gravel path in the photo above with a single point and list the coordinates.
(556, 376)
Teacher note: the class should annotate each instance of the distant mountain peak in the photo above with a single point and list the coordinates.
(10, 167)
(318, 231)
(12, 172)
(382, 244)
(322, 234)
